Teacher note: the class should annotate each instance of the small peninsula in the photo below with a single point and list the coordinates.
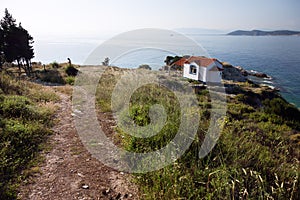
(264, 33)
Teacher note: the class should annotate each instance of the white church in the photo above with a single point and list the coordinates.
(207, 70)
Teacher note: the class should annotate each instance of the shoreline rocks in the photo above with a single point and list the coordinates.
(233, 73)
(252, 73)
(237, 73)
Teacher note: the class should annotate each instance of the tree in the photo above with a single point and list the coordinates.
(171, 59)
(168, 60)
(1, 47)
(8, 26)
(16, 43)
(8, 21)
(25, 50)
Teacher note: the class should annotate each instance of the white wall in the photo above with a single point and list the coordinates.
(186, 72)
(214, 77)
(203, 73)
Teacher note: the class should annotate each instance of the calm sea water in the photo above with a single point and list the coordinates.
(277, 56)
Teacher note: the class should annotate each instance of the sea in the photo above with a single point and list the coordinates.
(277, 56)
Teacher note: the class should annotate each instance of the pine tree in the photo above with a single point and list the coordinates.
(16, 43)
(8, 21)
(8, 26)
(1, 48)
(25, 49)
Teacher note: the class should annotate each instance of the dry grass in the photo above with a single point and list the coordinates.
(255, 157)
(66, 89)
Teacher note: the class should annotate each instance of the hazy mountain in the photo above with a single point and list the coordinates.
(264, 33)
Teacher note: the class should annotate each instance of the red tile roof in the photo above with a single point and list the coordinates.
(200, 60)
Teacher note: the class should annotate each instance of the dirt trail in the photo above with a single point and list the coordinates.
(70, 172)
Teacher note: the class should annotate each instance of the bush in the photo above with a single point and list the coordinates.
(51, 76)
(280, 107)
(70, 80)
(71, 71)
(139, 114)
(144, 66)
(55, 65)
(42, 95)
(19, 143)
(16, 107)
(9, 85)
(24, 126)
(203, 92)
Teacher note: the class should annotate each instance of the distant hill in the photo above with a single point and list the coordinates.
(264, 33)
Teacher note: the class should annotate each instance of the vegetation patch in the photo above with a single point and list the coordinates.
(256, 156)
(71, 70)
(25, 121)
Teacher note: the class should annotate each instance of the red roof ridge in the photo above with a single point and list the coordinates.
(200, 60)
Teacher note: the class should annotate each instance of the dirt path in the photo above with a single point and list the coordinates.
(69, 171)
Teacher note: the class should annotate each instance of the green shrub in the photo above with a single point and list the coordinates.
(71, 71)
(51, 76)
(19, 144)
(55, 65)
(286, 111)
(42, 95)
(70, 80)
(204, 92)
(8, 85)
(24, 126)
(139, 114)
(16, 107)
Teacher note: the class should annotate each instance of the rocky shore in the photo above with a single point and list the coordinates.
(237, 73)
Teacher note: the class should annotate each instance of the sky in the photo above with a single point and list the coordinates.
(110, 17)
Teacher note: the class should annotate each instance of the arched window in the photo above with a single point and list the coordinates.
(193, 69)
